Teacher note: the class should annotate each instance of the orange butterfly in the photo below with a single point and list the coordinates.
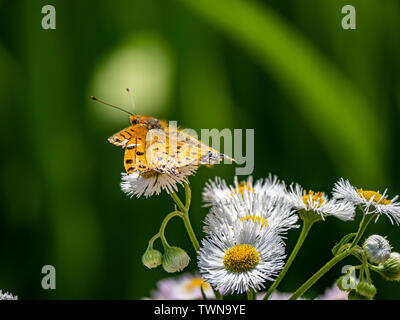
(152, 146)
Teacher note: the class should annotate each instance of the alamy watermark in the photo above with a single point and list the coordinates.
(233, 141)
(349, 20)
(348, 281)
(49, 280)
(49, 20)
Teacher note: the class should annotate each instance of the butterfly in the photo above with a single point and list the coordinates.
(153, 146)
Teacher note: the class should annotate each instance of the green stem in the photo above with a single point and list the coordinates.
(365, 268)
(163, 226)
(374, 268)
(186, 221)
(362, 269)
(251, 295)
(190, 232)
(303, 235)
(185, 215)
(188, 195)
(358, 253)
(177, 201)
(300, 291)
(330, 264)
(154, 238)
(367, 218)
(359, 232)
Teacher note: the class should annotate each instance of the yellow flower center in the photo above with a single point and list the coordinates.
(262, 222)
(378, 198)
(196, 283)
(241, 258)
(242, 187)
(316, 197)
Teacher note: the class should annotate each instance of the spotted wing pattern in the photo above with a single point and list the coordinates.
(123, 136)
(135, 151)
(163, 149)
(192, 151)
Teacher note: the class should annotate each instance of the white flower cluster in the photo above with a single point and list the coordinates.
(243, 247)
(7, 296)
(244, 228)
(372, 202)
(247, 222)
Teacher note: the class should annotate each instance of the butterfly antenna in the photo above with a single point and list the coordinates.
(110, 105)
(131, 98)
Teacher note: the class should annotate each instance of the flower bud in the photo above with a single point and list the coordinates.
(390, 269)
(377, 249)
(175, 259)
(366, 289)
(152, 258)
(354, 295)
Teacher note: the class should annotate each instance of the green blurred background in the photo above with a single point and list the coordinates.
(324, 103)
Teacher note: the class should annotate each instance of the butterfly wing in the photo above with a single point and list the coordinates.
(135, 151)
(166, 153)
(163, 149)
(190, 151)
(122, 137)
(158, 154)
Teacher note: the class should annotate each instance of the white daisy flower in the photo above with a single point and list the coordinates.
(311, 203)
(184, 287)
(152, 182)
(7, 296)
(219, 191)
(271, 212)
(241, 260)
(371, 201)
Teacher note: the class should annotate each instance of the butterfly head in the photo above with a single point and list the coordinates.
(134, 119)
(149, 122)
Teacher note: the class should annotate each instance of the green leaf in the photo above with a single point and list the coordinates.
(345, 239)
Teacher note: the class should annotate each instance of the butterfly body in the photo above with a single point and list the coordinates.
(151, 146)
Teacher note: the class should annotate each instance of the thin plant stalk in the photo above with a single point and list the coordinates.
(184, 214)
(163, 226)
(303, 235)
(330, 264)
(251, 295)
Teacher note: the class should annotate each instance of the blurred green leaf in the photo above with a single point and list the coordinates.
(338, 114)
